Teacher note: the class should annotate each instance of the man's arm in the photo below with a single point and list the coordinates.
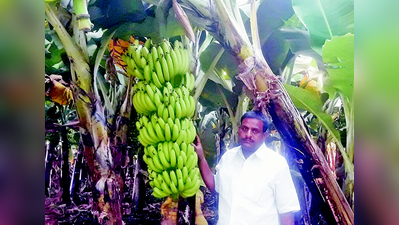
(206, 172)
(287, 218)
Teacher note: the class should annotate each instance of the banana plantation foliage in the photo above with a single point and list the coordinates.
(130, 84)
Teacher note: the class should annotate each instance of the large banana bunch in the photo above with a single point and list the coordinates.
(162, 98)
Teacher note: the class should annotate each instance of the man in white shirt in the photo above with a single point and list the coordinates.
(253, 181)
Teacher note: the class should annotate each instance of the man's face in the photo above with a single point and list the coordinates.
(250, 134)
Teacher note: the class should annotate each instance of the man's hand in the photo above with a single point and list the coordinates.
(198, 148)
(206, 172)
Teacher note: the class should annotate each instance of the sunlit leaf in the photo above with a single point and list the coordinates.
(338, 55)
(325, 19)
(311, 102)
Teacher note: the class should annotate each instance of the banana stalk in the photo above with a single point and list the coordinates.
(270, 96)
(82, 15)
(95, 137)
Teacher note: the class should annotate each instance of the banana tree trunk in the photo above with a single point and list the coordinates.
(294, 131)
(108, 185)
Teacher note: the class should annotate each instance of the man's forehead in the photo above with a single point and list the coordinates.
(252, 122)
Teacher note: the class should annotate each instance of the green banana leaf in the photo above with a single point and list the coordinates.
(325, 19)
(211, 98)
(226, 61)
(271, 15)
(276, 50)
(169, 25)
(106, 13)
(310, 101)
(338, 54)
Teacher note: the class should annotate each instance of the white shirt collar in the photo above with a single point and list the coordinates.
(261, 152)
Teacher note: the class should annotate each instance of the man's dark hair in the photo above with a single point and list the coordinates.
(257, 115)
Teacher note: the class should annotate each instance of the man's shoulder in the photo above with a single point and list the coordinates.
(271, 155)
(230, 153)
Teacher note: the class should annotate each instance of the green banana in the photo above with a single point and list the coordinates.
(154, 54)
(185, 174)
(173, 158)
(183, 148)
(144, 51)
(152, 152)
(183, 108)
(147, 43)
(171, 69)
(173, 176)
(175, 132)
(159, 193)
(163, 160)
(161, 123)
(179, 174)
(165, 176)
(178, 109)
(165, 47)
(172, 101)
(173, 188)
(158, 69)
(140, 138)
(147, 73)
(192, 105)
(149, 103)
(146, 137)
(176, 62)
(157, 163)
(190, 150)
(165, 69)
(192, 191)
(165, 114)
(182, 137)
(157, 98)
(160, 52)
(179, 92)
(167, 132)
(171, 112)
(180, 185)
(184, 157)
(189, 183)
(155, 79)
(152, 133)
(176, 148)
(157, 183)
(177, 122)
(160, 111)
(159, 132)
(151, 165)
(194, 173)
(180, 162)
(166, 94)
(166, 188)
(170, 122)
(165, 149)
(190, 162)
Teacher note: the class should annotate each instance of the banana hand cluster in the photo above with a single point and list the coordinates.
(165, 101)
(162, 98)
(172, 169)
(155, 129)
